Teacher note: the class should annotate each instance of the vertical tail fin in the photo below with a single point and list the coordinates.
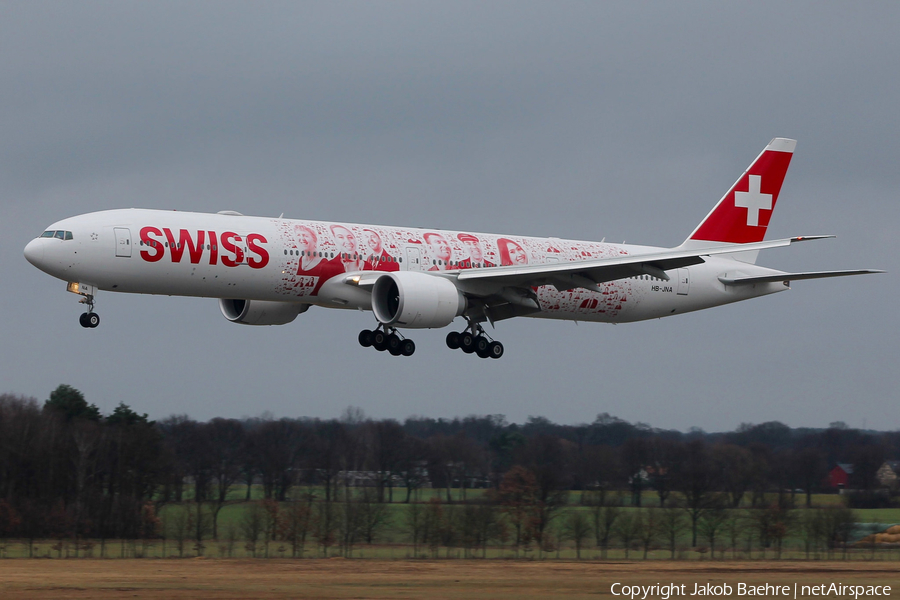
(742, 215)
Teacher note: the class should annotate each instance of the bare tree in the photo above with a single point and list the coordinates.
(388, 444)
(412, 465)
(432, 519)
(374, 515)
(697, 482)
(663, 457)
(253, 525)
(605, 511)
(271, 516)
(576, 527)
(297, 521)
(650, 529)
(712, 521)
(351, 521)
(545, 458)
(809, 525)
(518, 498)
(810, 469)
(634, 455)
(326, 525)
(226, 443)
(627, 528)
(672, 526)
(837, 526)
(178, 521)
(772, 526)
(451, 532)
(485, 524)
(415, 523)
(735, 525)
(735, 464)
(278, 445)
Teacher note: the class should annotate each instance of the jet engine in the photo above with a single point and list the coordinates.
(416, 300)
(260, 312)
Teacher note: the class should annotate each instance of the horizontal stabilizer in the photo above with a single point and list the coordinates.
(795, 276)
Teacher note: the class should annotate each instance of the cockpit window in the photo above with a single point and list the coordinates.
(62, 235)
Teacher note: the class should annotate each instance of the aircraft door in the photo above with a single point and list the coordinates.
(412, 259)
(684, 282)
(123, 241)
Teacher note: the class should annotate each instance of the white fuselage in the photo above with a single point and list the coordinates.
(255, 258)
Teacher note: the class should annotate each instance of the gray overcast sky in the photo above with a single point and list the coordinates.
(571, 119)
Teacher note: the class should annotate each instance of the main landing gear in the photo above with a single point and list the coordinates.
(90, 319)
(474, 340)
(386, 338)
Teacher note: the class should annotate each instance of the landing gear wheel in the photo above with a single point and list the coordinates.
(453, 340)
(407, 347)
(393, 344)
(473, 339)
(467, 342)
(379, 340)
(365, 338)
(89, 319)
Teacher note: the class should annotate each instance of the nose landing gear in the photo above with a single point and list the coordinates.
(386, 338)
(474, 340)
(90, 319)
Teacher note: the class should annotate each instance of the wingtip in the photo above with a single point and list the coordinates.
(806, 238)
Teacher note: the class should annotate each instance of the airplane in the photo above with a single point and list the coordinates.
(267, 271)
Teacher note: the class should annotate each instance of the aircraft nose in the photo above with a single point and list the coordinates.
(34, 252)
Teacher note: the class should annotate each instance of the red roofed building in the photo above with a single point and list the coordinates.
(839, 476)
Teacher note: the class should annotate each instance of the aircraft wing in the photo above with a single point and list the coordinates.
(795, 276)
(589, 273)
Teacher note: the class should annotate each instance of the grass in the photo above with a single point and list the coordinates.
(158, 549)
(395, 532)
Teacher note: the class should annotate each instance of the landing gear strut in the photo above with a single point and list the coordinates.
(90, 319)
(387, 338)
(473, 339)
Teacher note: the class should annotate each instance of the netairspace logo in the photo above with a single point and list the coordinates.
(665, 591)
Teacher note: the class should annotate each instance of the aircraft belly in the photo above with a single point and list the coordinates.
(642, 298)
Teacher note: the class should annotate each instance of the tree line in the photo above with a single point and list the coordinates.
(69, 472)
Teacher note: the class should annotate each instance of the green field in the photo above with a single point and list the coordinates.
(394, 539)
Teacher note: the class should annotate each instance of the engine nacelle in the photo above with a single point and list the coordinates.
(260, 312)
(416, 300)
